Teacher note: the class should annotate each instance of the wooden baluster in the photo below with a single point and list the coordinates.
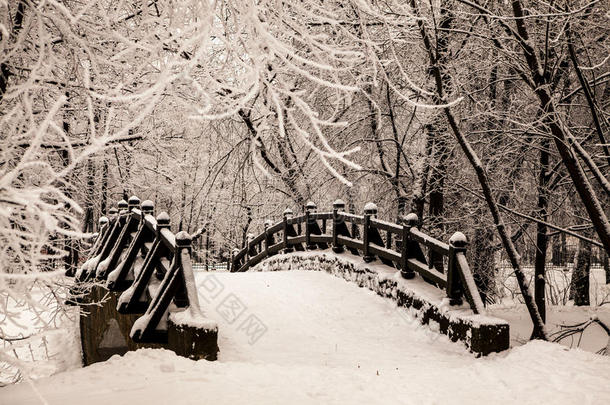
(122, 206)
(235, 263)
(103, 230)
(299, 229)
(338, 205)
(309, 209)
(409, 222)
(370, 210)
(133, 202)
(268, 237)
(148, 208)
(251, 247)
(287, 215)
(455, 288)
(101, 222)
(163, 222)
(181, 297)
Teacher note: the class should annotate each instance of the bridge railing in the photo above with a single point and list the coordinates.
(138, 255)
(403, 247)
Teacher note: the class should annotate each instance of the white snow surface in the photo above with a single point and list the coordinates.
(326, 341)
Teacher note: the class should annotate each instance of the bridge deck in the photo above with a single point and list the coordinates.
(313, 318)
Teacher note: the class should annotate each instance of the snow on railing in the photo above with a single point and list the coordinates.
(402, 247)
(138, 254)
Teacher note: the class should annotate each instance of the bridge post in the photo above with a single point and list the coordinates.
(133, 202)
(148, 208)
(410, 221)
(102, 221)
(287, 215)
(233, 260)
(251, 246)
(122, 206)
(309, 208)
(102, 231)
(455, 289)
(370, 210)
(338, 205)
(181, 295)
(268, 237)
(163, 221)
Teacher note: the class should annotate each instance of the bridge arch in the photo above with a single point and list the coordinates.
(138, 288)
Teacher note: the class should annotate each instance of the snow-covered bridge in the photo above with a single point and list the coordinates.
(142, 273)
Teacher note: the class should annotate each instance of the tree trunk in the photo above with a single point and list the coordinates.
(564, 250)
(88, 221)
(579, 285)
(481, 254)
(104, 191)
(606, 264)
(5, 71)
(541, 231)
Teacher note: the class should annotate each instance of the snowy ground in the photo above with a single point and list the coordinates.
(320, 339)
(560, 311)
(41, 354)
(593, 339)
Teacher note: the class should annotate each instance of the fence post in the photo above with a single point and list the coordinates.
(113, 213)
(102, 231)
(148, 208)
(455, 289)
(102, 221)
(251, 247)
(338, 205)
(370, 210)
(268, 237)
(234, 262)
(309, 209)
(133, 202)
(163, 221)
(410, 221)
(287, 215)
(122, 206)
(183, 241)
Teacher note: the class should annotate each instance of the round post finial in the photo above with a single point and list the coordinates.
(310, 206)
(113, 211)
(458, 240)
(122, 205)
(268, 223)
(183, 239)
(148, 207)
(411, 219)
(133, 202)
(339, 205)
(370, 209)
(163, 219)
(288, 213)
(103, 221)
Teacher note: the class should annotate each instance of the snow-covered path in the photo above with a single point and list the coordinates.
(313, 318)
(326, 341)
